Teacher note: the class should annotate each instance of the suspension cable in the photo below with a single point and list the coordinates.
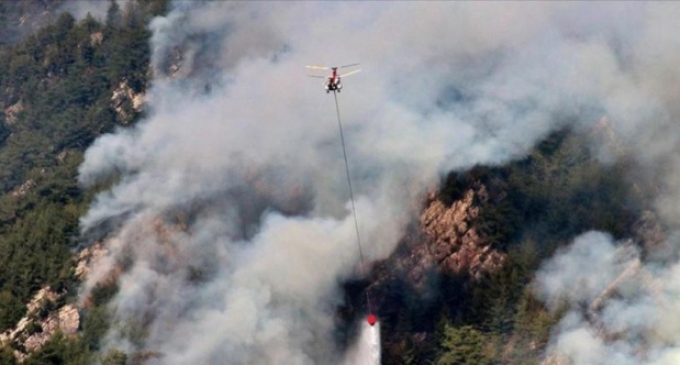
(351, 191)
(349, 179)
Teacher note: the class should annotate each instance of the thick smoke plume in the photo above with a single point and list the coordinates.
(623, 310)
(231, 228)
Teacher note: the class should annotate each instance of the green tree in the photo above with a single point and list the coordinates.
(60, 82)
(11, 309)
(7, 356)
(95, 325)
(61, 350)
(464, 346)
(114, 357)
(113, 16)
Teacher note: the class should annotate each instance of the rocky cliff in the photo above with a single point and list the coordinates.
(446, 241)
(453, 243)
(43, 320)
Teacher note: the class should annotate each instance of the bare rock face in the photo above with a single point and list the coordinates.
(12, 112)
(35, 328)
(23, 189)
(452, 242)
(86, 257)
(45, 316)
(66, 320)
(96, 38)
(123, 99)
(42, 298)
(445, 241)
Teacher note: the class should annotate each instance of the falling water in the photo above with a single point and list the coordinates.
(367, 349)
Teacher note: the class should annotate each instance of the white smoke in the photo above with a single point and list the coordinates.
(622, 311)
(233, 226)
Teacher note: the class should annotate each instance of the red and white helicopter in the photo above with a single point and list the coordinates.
(333, 81)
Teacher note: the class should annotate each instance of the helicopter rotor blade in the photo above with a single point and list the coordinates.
(350, 73)
(317, 67)
(350, 65)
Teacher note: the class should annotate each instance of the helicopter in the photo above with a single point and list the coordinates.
(334, 80)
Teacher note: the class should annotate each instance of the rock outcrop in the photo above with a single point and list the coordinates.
(46, 314)
(86, 257)
(23, 189)
(448, 241)
(12, 112)
(453, 242)
(96, 38)
(40, 323)
(444, 240)
(66, 320)
(126, 102)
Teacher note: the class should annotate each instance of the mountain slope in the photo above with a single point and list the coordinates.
(57, 94)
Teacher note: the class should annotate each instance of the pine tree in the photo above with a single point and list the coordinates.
(464, 346)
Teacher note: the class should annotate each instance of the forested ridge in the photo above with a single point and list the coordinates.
(535, 206)
(56, 88)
